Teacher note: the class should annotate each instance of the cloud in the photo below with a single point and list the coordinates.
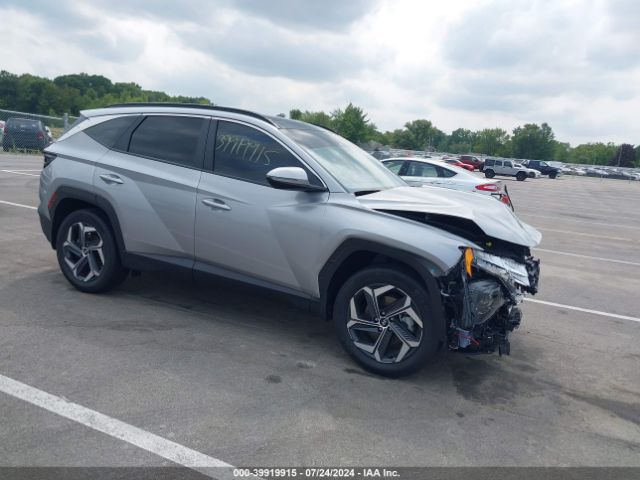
(330, 15)
(465, 63)
(253, 46)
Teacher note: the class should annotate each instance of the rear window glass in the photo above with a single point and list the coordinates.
(23, 123)
(171, 139)
(107, 133)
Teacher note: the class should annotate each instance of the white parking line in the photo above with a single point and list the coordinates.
(148, 441)
(624, 239)
(18, 205)
(588, 222)
(602, 259)
(16, 172)
(586, 310)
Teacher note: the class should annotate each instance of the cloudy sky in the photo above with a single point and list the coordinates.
(572, 63)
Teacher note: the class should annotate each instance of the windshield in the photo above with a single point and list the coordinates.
(355, 169)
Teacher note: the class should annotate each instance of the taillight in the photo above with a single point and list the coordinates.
(48, 158)
(488, 187)
(40, 135)
(4, 130)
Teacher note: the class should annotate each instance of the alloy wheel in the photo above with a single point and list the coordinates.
(383, 323)
(82, 251)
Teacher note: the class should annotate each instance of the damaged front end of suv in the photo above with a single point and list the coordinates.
(482, 290)
(481, 297)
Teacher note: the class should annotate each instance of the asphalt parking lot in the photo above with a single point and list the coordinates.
(240, 377)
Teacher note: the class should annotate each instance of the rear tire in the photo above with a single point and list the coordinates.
(87, 252)
(382, 320)
(521, 176)
(489, 173)
(553, 175)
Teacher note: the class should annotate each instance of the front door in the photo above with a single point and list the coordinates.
(247, 229)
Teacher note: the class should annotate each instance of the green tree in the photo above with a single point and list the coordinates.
(625, 156)
(491, 141)
(417, 135)
(75, 92)
(592, 153)
(561, 151)
(461, 140)
(533, 141)
(352, 123)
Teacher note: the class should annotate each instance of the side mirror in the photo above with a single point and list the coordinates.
(292, 178)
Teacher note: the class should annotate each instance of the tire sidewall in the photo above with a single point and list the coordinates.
(521, 176)
(489, 173)
(385, 275)
(112, 270)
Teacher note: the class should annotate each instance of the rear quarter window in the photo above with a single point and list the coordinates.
(107, 133)
(170, 139)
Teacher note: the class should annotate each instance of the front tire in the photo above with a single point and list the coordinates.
(489, 173)
(521, 176)
(87, 252)
(382, 320)
(553, 175)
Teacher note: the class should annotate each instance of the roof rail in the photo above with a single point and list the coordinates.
(195, 105)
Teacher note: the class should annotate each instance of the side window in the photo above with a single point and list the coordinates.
(445, 172)
(394, 166)
(245, 153)
(508, 164)
(107, 133)
(489, 163)
(498, 163)
(170, 139)
(418, 169)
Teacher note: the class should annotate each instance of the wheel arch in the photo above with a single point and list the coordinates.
(355, 254)
(70, 199)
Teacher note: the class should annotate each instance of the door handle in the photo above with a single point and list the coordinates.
(111, 178)
(215, 203)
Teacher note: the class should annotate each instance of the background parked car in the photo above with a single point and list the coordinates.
(421, 172)
(24, 133)
(543, 167)
(493, 167)
(458, 163)
(471, 160)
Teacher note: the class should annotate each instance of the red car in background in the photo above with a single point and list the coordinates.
(472, 160)
(458, 163)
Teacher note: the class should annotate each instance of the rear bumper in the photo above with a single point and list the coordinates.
(46, 225)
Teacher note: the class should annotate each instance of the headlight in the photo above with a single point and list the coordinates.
(502, 267)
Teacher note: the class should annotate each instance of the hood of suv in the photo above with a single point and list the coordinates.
(492, 217)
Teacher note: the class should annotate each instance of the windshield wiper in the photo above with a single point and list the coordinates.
(359, 193)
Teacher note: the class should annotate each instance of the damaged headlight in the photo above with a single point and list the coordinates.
(502, 266)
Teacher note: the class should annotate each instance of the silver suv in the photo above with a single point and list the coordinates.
(402, 272)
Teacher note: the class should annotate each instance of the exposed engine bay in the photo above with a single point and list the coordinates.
(482, 293)
(481, 296)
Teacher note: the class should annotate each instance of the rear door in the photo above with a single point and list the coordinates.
(419, 173)
(150, 178)
(245, 228)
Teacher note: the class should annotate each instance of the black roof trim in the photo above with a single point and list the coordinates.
(195, 105)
